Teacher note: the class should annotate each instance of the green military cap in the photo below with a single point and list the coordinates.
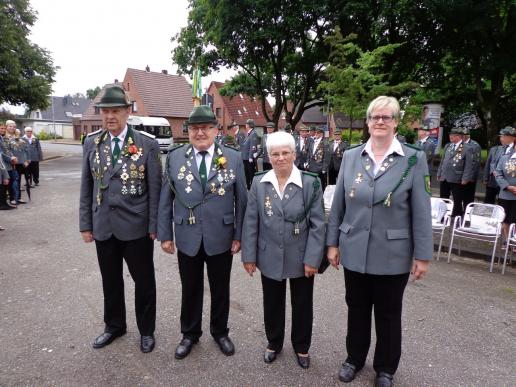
(337, 131)
(313, 127)
(457, 130)
(465, 131)
(201, 115)
(319, 129)
(270, 124)
(250, 122)
(114, 97)
(303, 128)
(508, 131)
(426, 128)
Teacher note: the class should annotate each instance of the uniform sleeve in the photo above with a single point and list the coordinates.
(86, 196)
(439, 169)
(251, 226)
(499, 176)
(327, 157)
(240, 198)
(421, 211)
(40, 151)
(469, 164)
(316, 233)
(488, 166)
(154, 177)
(338, 207)
(166, 206)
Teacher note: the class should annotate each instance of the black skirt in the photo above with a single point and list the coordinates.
(510, 210)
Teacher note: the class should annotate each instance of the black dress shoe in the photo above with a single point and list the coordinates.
(147, 343)
(348, 372)
(269, 356)
(106, 338)
(303, 361)
(226, 345)
(184, 348)
(383, 379)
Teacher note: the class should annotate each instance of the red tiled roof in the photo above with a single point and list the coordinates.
(241, 107)
(164, 95)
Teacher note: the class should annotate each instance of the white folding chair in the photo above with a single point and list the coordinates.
(441, 218)
(328, 198)
(481, 222)
(511, 242)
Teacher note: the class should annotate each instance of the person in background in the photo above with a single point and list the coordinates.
(8, 161)
(380, 230)
(319, 157)
(35, 155)
(303, 142)
(470, 188)
(266, 161)
(249, 148)
(18, 148)
(283, 236)
(507, 136)
(425, 143)
(4, 182)
(337, 147)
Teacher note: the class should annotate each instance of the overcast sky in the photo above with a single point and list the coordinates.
(95, 41)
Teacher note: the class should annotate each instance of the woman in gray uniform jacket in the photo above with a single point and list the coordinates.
(379, 222)
(283, 236)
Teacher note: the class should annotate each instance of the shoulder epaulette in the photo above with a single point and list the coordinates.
(94, 133)
(413, 146)
(260, 173)
(174, 147)
(146, 134)
(352, 147)
(232, 147)
(310, 173)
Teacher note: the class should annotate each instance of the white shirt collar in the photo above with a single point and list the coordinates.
(394, 148)
(121, 136)
(294, 178)
(210, 150)
(423, 140)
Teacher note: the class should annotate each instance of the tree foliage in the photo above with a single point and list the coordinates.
(278, 48)
(92, 93)
(26, 70)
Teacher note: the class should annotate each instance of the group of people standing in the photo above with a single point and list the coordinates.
(19, 156)
(202, 207)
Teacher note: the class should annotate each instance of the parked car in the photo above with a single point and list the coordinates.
(159, 127)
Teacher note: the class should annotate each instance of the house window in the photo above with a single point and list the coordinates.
(239, 112)
(256, 111)
(245, 110)
(128, 86)
(218, 112)
(241, 96)
(97, 110)
(38, 115)
(135, 107)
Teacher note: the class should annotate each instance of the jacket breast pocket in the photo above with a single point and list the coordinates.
(178, 219)
(345, 228)
(402, 233)
(229, 219)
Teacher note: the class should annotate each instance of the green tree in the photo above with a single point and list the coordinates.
(278, 48)
(92, 93)
(26, 70)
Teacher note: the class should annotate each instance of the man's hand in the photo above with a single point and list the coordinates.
(333, 256)
(168, 247)
(152, 236)
(235, 247)
(464, 182)
(5, 182)
(440, 178)
(87, 236)
(419, 269)
(14, 160)
(250, 267)
(511, 189)
(310, 271)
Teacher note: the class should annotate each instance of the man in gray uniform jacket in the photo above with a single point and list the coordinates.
(472, 185)
(35, 154)
(507, 136)
(120, 188)
(319, 157)
(303, 142)
(426, 145)
(249, 148)
(201, 208)
(456, 170)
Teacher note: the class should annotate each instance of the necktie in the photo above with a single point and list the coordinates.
(202, 170)
(116, 149)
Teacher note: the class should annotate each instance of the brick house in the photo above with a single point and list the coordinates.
(153, 94)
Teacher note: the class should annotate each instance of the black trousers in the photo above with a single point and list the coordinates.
(33, 170)
(191, 271)
(138, 255)
(301, 299)
(385, 294)
(491, 194)
(469, 192)
(324, 181)
(458, 194)
(444, 189)
(250, 170)
(22, 171)
(3, 195)
(333, 174)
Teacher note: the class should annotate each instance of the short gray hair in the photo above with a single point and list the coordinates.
(385, 102)
(27, 128)
(277, 139)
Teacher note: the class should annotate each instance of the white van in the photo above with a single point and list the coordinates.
(159, 127)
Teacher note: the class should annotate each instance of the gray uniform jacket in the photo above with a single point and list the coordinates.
(34, 149)
(4, 175)
(213, 217)
(495, 153)
(457, 165)
(428, 147)
(336, 154)
(320, 160)
(505, 174)
(18, 148)
(250, 146)
(239, 138)
(302, 152)
(263, 149)
(6, 154)
(268, 236)
(121, 199)
(477, 150)
(378, 233)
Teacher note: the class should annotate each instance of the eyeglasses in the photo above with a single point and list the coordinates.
(385, 119)
(277, 155)
(197, 130)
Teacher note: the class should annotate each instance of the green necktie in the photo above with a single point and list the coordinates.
(116, 149)
(202, 170)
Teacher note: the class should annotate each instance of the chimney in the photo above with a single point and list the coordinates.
(116, 81)
(147, 68)
(164, 72)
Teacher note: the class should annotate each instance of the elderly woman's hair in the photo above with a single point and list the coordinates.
(278, 139)
(384, 102)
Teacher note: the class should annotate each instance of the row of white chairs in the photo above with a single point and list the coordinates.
(481, 222)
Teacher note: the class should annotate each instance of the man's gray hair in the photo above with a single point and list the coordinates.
(278, 139)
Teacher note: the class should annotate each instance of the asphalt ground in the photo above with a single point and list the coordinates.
(459, 322)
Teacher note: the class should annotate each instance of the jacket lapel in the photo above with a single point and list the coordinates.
(290, 191)
(388, 163)
(367, 164)
(212, 169)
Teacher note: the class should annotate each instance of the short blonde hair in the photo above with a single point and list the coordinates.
(10, 122)
(384, 102)
(280, 139)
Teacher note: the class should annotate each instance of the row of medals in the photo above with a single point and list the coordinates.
(510, 167)
(458, 156)
(269, 212)
(223, 176)
(360, 178)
